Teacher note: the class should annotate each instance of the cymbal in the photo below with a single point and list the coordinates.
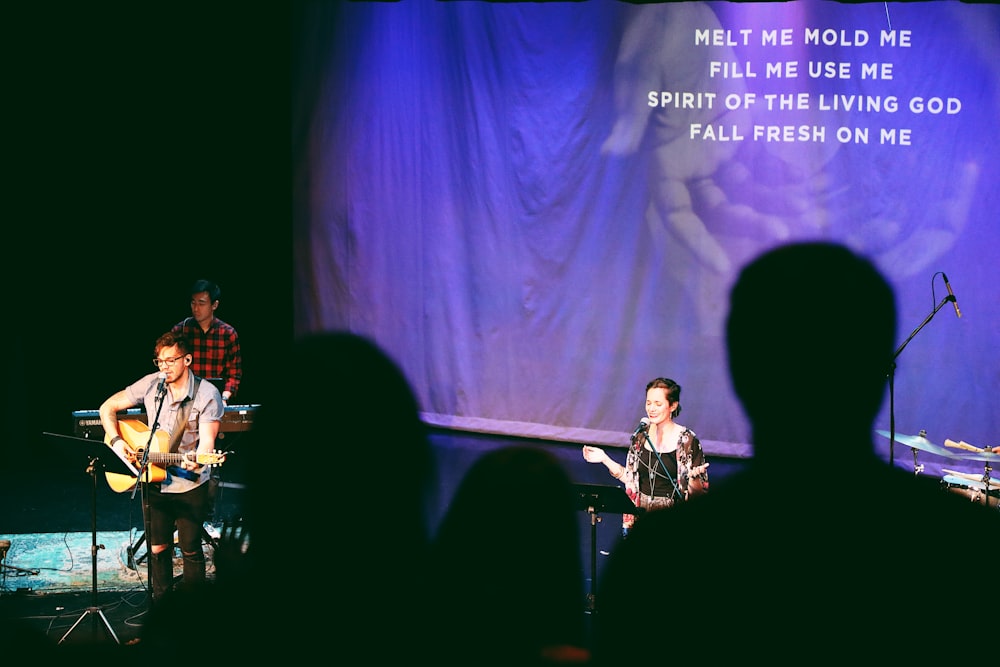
(921, 443)
(971, 483)
(983, 456)
(994, 483)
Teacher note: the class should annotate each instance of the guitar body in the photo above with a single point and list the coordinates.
(136, 435)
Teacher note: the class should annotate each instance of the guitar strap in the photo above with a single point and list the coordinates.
(180, 423)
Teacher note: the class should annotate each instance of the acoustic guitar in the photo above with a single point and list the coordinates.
(136, 434)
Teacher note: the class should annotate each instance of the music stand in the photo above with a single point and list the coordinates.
(99, 455)
(594, 499)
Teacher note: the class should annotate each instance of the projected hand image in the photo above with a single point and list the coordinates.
(715, 201)
(692, 183)
(689, 179)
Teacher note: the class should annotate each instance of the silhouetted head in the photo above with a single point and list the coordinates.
(506, 569)
(340, 435)
(348, 393)
(339, 470)
(810, 340)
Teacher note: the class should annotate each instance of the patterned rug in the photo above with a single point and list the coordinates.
(62, 562)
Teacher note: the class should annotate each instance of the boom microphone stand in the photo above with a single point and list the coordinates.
(892, 370)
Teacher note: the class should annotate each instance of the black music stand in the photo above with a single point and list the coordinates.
(98, 455)
(594, 499)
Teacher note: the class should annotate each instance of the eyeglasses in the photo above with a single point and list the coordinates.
(166, 362)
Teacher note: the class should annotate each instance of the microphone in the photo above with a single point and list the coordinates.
(954, 301)
(162, 388)
(641, 428)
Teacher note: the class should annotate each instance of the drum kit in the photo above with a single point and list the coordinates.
(983, 488)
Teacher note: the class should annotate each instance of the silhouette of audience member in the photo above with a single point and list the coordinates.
(506, 569)
(337, 449)
(818, 547)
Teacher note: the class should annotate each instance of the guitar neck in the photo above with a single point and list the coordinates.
(158, 458)
(166, 458)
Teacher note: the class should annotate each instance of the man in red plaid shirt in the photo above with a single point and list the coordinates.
(215, 345)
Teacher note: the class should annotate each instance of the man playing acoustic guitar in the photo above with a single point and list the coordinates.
(183, 414)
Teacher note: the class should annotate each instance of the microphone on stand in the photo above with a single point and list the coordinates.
(954, 301)
(641, 428)
(161, 389)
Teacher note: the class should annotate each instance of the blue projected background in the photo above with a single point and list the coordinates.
(536, 208)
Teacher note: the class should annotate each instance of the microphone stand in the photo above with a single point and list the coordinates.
(892, 375)
(144, 470)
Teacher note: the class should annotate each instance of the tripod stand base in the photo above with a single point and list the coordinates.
(104, 620)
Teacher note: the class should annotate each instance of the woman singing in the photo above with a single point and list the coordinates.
(665, 462)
